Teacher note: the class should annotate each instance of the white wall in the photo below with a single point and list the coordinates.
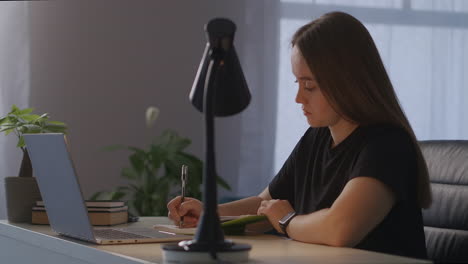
(97, 65)
(14, 81)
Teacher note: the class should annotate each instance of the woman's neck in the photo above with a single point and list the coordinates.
(341, 130)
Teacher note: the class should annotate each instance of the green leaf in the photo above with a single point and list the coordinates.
(129, 173)
(157, 156)
(20, 122)
(21, 142)
(29, 117)
(134, 187)
(154, 174)
(173, 142)
(23, 121)
(8, 131)
(53, 130)
(54, 127)
(137, 150)
(222, 183)
(117, 195)
(25, 111)
(15, 109)
(137, 162)
(30, 129)
(96, 196)
(173, 169)
(58, 123)
(9, 124)
(7, 127)
(41, 118)
(164, 138)
(3, 120)
(191, 158)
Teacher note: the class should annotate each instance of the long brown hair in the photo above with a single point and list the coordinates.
(341, 54)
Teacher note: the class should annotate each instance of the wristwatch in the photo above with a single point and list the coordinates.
(284, 222)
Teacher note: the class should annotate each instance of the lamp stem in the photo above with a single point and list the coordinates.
(209, 231)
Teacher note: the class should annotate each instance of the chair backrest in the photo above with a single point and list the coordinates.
(446, 221)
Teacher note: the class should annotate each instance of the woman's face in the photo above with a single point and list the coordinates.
(316, 108)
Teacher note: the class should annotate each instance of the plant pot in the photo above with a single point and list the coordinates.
(21, 195)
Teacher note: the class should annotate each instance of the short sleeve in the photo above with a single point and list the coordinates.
(390, 158)
(282, 185)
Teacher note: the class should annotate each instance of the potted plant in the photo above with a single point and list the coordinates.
(21, 191)
(154, 173)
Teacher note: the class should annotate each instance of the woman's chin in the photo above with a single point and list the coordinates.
(315, 123)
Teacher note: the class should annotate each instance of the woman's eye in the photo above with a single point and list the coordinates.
(306, 84)
(309, 84)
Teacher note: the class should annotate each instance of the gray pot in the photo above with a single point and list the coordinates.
(21, 195)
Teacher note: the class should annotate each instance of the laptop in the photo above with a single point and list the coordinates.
(63, 198)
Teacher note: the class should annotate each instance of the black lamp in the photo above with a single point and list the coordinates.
(219, 89)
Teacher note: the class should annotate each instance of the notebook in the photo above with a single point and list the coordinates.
(63, 198)
(231, 225)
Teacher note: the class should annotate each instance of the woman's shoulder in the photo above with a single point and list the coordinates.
(385, 136)
(386, 132)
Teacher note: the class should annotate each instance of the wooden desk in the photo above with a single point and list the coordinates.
(24, 243)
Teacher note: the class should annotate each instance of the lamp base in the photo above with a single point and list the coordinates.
(190, 251)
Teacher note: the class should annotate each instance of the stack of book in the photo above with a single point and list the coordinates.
(101, 213)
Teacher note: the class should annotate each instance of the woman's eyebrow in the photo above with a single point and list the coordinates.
(306, 78)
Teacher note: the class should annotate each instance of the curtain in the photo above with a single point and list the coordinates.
(14, 81)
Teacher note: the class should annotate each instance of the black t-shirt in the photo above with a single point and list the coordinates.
(315, 174)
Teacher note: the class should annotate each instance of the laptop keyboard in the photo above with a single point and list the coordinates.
(115, 234)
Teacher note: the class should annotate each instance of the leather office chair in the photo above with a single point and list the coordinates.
(446, 221)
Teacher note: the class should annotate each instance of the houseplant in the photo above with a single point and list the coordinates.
(154, 173)
(22, 191)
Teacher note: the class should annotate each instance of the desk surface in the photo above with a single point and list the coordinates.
(21, 243)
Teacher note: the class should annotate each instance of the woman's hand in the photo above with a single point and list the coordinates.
(190, 209)
(275, 210)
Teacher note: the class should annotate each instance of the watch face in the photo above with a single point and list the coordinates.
(286, 218)
(284, 222)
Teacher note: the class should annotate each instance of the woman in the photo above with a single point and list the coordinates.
(357, 177)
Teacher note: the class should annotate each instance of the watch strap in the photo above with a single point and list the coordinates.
(284, 222)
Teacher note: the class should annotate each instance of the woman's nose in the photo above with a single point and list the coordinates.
(299, 97)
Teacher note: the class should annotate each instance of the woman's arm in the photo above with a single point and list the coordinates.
(244, 206)
(361, 206)
(192, 208)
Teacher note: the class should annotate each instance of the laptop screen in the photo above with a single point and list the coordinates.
(59, 186)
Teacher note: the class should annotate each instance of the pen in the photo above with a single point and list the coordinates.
(183, 179)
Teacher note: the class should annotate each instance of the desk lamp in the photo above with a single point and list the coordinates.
(219, 89)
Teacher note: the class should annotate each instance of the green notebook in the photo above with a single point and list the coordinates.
(237, 226)
(231, 225)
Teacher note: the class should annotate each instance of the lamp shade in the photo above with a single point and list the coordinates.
(231, 94)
